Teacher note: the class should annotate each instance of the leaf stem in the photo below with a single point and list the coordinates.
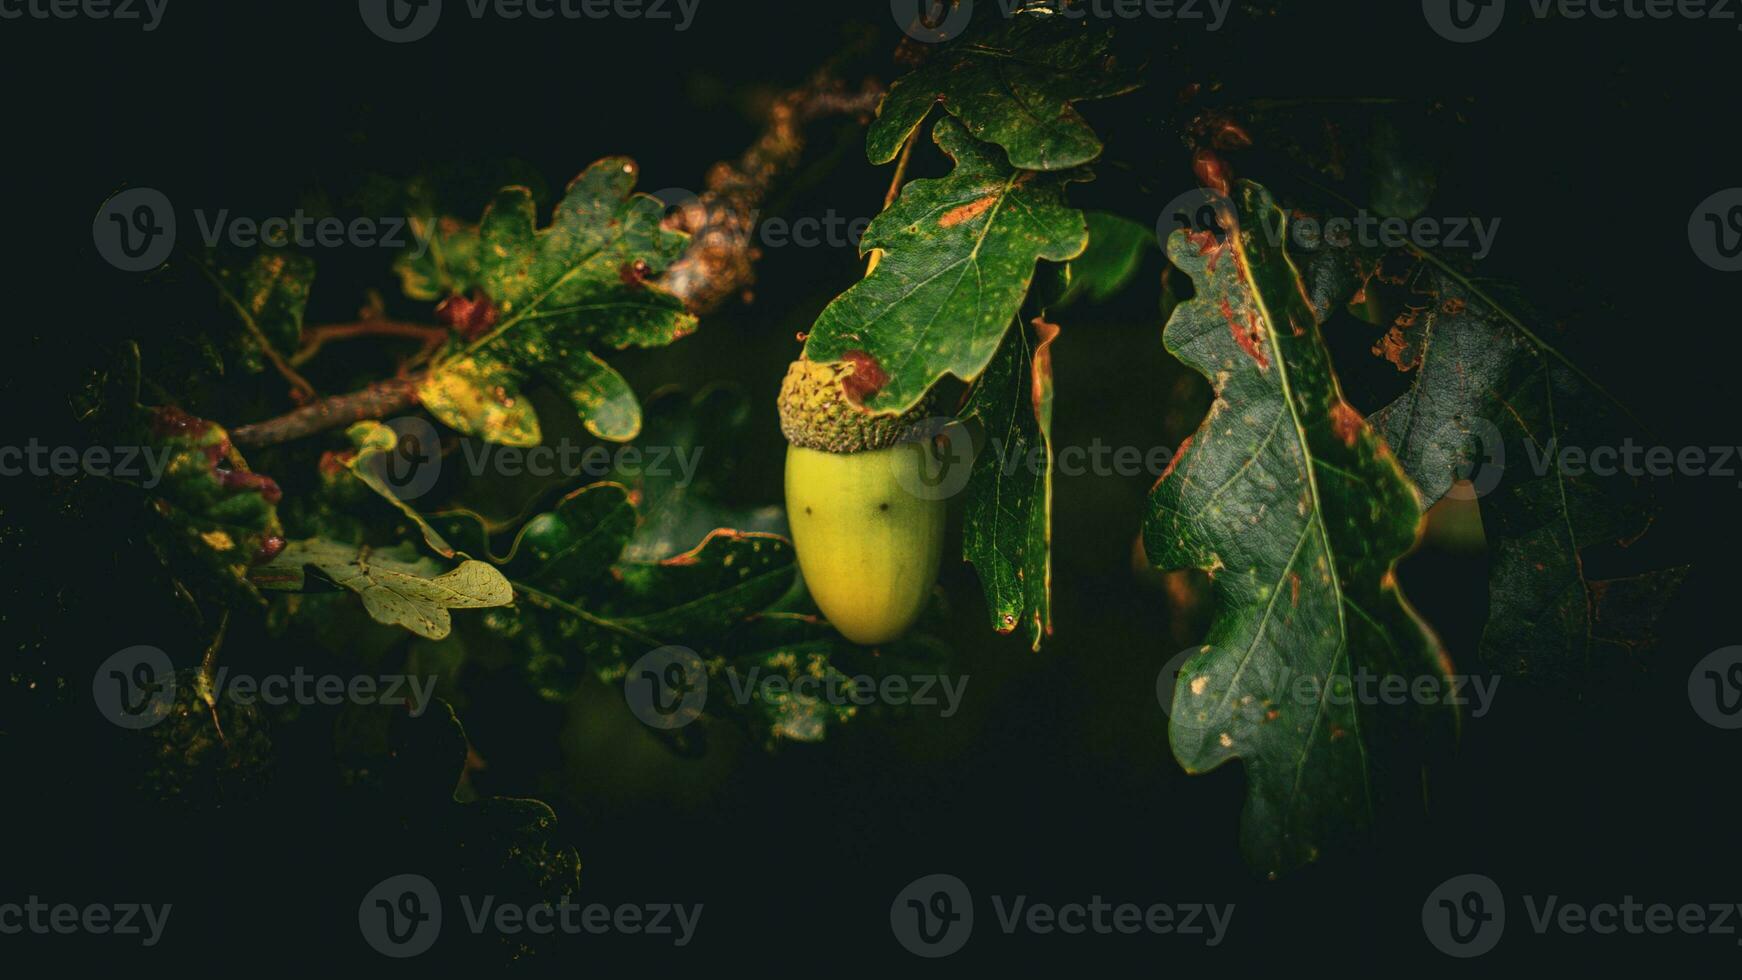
(552, 602)
(297, 382)
(314, 338)
(714, 268)
(894, 191)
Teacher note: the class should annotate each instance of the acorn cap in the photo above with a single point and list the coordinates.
(817, 411)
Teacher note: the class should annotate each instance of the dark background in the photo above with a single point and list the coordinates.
(1592, 141)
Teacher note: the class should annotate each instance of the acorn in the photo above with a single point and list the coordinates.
(869, 535)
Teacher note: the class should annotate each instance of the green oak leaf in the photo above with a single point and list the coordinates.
(398, 588)
(781, 665)
(372, 441)
(570, 549)
(1117, 247)
(683, 469)
(481, 396)
(1493, 402)
(585, 606)
(730, 575)
(1299, 513)
(687, 600)
(959, 253)
(267, 294)
(584, 280)
(1012, 83)
(447, 266)
(1007, 528)
(209, 517)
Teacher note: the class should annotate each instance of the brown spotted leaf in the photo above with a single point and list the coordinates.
(1492, 402)
(1007, 529)
(1299, 513)
(266, 294)
(959, 253)
(1012, 82)
(554, 294)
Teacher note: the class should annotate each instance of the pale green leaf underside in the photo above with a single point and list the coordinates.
(396, 589)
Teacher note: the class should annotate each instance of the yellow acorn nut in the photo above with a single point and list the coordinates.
(868, 544)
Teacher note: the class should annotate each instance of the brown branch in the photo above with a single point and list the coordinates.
(314, 338)
(299, 385)
(377, 400)
(719, 263)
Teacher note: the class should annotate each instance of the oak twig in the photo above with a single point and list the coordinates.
(718, 264)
